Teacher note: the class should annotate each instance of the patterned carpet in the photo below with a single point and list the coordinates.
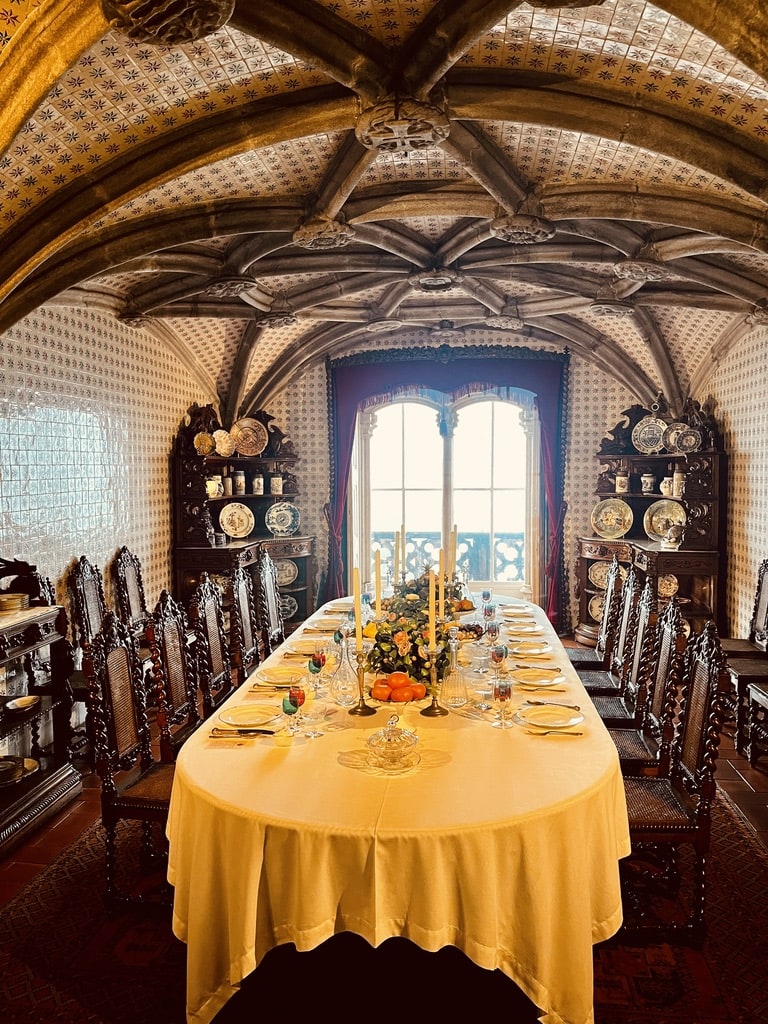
(63, 959)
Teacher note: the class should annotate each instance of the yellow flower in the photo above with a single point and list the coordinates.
(369, 630)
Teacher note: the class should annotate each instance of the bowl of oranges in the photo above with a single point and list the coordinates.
(397, 688)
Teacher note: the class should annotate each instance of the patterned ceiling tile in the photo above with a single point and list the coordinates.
(433, 229)
(419, 165)
(213, 343)
(550, 156)
(12, 17)
(390, 22)
(684, 328)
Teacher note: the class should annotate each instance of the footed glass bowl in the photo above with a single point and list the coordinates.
(391, 745)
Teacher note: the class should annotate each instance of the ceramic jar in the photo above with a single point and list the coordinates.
(238, 481)
(666, 486)
(647, 481)
(622, 483)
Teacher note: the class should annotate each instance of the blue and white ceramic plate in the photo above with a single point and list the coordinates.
(282, 519)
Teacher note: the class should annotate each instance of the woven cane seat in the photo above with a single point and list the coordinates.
(597, 679)
(631, 746)
(652, 804)
(612, 707)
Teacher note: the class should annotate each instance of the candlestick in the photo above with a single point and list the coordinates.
(432, 637)
(358, 610)
(396, 558)
(377, 574)
(441, 586)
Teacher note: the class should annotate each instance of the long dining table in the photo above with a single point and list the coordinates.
(504, 843)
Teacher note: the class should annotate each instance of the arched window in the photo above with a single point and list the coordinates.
(428, 464)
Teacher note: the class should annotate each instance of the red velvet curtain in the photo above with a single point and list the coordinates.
(355, 380)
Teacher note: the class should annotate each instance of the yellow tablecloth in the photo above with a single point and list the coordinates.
(503, 844)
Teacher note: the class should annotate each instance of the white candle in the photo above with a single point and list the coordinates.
(358, 610)
(432, 638)
(441, 586)
(396, 556)
(377, 576)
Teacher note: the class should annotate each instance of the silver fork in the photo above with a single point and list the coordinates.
(551, 704)
(552, 732)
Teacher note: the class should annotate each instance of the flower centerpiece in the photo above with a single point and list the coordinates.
(401, 636)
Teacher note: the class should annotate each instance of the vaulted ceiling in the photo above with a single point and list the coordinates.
(261, 184)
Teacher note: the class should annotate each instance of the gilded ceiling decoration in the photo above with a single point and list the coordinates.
(262, 185)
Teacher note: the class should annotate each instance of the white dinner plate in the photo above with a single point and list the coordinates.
(537, 677)
(277, 676)
(338, 606)
(515, 613)
(531, 647)
(249, 716)
(549, 716)
(302, 646)
(524, 630)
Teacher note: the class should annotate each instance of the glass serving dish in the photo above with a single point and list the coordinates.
(392, 746)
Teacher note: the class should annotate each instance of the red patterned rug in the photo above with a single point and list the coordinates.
(64, 960)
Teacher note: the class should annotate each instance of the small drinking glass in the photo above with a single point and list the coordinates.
(498, 656)
(486, 595)
(491, 631)
(502, 695)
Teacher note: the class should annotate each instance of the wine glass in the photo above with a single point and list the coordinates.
(502, 694)
(316, 665)
(498, 655)
(486, 595)
(491, 631)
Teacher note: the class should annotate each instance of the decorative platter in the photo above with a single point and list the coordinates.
(225, 444)
(23, 703)
(13, 769)
(204, 443)
(597, 574)
(611, 518)
(660, 516)
(286, 570)
(282, 519)
(689, 441)
(648, 435)
(671, 434)
(250, 436)
(595, 606)
(666, 586)
(236, 520)
(288, 606)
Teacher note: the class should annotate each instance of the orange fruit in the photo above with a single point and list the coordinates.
(381, 690)
(402, 694)
(419, 690)
(398, 679)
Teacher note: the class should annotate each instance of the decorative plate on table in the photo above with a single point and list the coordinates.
(236, 520)
(249, 716)
(595, 606)
(666, 586)
(282, 519)
(304, 647)
(530, 648)
(250, 436)
(660, 516)
(225, 444)
(13, 769)
(204, 443)
(549, 716)
(688, 441)
(288, 606)
(515, 629)
(537, 677)
(671, 434)
(597, 574)
(23, 703)
(278, 677)
(611, 518)
(286, 570)
(648, 435)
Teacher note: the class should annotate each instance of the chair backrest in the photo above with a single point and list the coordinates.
(626, 626)
(246, 646)
(758, 625)
(700, 720)
(117, 703)
(174, 674)
(89, 606)
(129, 590)
(606, 631)
(639, 661)
(206, 618)
(269, 618)
(665, 679)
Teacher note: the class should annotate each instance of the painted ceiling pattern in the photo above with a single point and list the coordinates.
(201, 245)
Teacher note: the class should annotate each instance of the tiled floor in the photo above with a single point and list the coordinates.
(747, 787)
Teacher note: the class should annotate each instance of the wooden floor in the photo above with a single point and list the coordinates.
(747, 787)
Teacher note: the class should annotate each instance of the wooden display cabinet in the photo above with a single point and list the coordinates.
(35, 665)
(200, 544)
(695, 571)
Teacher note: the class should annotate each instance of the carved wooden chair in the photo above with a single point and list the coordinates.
(599, 657)
(757, 723)
(269, 618)
(133, 784)
(667, 812)
(129, 591)
(89, 607)
(213, 662)
(611, 682)
(246, 646)
(174, 675)
(755, 645)
(645, 749)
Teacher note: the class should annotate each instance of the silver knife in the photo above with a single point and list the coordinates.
(552, 704)
(219, 733)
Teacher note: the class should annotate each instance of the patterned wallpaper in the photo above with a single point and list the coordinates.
(89, 409)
